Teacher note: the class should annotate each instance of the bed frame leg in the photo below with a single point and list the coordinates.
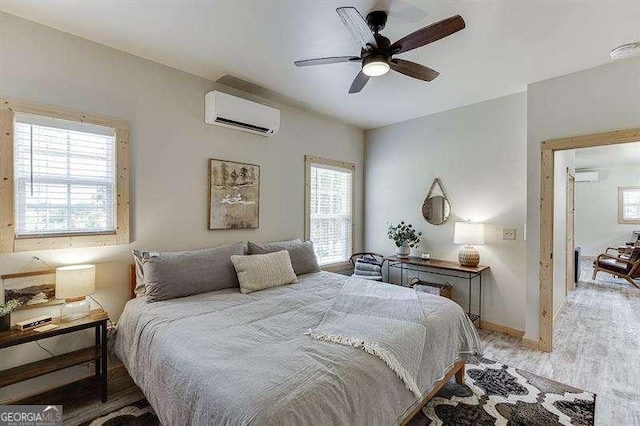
(460, 375)
(457, 369)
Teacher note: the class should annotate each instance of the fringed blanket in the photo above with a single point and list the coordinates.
(389, 322)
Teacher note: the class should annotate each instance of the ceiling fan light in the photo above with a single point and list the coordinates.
(375, 65)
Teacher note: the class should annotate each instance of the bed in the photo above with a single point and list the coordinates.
(224, 357)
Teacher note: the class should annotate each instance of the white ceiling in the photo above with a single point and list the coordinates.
(505, 46)
(625, 154)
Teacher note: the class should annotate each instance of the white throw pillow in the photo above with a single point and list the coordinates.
(261, 271)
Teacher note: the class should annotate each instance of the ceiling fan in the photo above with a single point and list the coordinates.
(377, 51)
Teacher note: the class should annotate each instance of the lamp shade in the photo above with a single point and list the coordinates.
(75, 281)
(468, 233)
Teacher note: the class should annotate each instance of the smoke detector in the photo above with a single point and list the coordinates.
(625, 50)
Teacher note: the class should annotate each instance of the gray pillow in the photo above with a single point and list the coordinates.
(264, 248)
(168, 275)
(303, 258)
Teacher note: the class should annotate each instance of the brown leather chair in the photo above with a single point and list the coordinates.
(627, 268)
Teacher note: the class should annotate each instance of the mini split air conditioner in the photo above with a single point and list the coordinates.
(584, 176)
(225, 110)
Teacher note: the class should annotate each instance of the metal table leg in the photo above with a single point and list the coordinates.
(469, 305)
(97, 343)
(480, 301)
(103, 362)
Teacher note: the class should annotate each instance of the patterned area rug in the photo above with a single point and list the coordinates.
(493, 394)
(496, 394)
(137, 414)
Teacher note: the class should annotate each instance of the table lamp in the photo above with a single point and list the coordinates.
(73, 283)
(469, 234)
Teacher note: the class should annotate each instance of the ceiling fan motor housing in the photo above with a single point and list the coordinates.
(378, 55)
(383, 47)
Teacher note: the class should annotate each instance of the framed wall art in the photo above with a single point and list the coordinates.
(234, 195)
(32, 289)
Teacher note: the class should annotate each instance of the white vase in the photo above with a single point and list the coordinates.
(403, 251)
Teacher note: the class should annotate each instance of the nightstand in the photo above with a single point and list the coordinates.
(97, 319)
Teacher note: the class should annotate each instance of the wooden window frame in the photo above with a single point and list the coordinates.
(548, 149)
(8, 241)
(621, 219)
(351, 167)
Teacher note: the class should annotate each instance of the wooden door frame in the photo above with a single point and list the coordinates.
(571, 231)
(548, 149)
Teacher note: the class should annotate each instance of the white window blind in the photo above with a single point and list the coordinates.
(65, 180)
(330, 213)
(630, 204)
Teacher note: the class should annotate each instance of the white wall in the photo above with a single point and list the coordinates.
(479, 153)
(564, 161)
(170, 146)
(596, 100)
(597, 224)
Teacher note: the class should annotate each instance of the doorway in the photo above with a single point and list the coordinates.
(547, 174)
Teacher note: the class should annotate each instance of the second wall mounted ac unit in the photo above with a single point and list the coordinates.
(586, 176)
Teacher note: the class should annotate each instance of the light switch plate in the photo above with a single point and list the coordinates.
(508, 233)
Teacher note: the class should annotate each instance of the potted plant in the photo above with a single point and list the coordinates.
(5, 313)
(405, 237)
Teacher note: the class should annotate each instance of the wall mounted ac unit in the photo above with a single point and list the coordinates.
(230, 111)
(586, 176)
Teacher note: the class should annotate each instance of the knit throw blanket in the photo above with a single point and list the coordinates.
(385, 320)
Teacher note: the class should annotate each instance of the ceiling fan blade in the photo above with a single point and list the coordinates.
(330, 60)
(413, 70)
(428, 34)
(359, 82)
(357, 26)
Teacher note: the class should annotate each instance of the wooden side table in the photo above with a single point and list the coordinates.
(97, 319)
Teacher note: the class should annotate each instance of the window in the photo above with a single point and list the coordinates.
(329, 209)
(629, 204)
(65, 178)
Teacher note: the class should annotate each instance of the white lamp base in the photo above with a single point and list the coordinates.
(469, 256)
(75, 309)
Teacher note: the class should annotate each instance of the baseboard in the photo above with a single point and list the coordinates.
(503, 329)
(530, 343)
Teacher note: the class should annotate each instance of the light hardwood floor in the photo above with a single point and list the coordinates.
(596, 347)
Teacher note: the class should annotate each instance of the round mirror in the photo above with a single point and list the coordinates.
(436, 209)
